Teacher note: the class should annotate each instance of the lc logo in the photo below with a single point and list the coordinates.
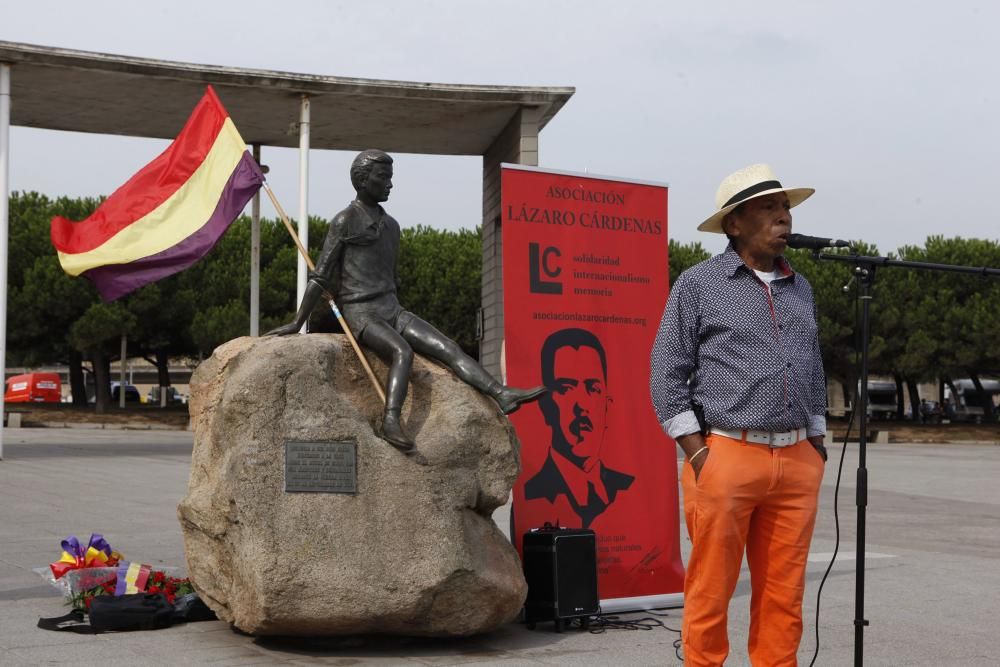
(543, 262)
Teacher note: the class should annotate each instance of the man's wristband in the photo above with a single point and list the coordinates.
(695, 455)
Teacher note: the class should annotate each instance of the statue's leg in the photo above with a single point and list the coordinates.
(395, 351)
(430, 342)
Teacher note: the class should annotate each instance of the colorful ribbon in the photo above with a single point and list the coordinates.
(97, 553)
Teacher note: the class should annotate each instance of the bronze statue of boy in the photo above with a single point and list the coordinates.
(358, 267)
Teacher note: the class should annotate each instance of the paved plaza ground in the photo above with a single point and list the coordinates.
(932, 571)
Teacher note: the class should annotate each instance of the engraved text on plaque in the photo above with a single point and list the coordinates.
(321, 467)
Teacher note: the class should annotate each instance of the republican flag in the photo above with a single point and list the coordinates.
(169, 214)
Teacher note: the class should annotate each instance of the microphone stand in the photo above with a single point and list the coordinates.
(864, 271)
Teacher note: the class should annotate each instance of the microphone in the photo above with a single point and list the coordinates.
(815, 242)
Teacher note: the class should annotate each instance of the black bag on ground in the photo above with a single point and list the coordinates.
(190, 608)
(139, 611)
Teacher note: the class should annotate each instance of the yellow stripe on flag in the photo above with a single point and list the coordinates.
(130, 576)
(180, 216)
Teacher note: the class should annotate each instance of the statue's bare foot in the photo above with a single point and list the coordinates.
(510, 398)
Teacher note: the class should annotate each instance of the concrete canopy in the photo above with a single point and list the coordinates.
(80, 91)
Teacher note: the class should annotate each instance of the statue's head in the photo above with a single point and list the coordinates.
(371, 174)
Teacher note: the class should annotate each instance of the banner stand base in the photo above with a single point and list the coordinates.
(618, 605)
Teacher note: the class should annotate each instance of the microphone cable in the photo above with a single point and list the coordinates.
(836, 522)
(601, 622)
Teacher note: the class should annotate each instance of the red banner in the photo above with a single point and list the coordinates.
(585, 282)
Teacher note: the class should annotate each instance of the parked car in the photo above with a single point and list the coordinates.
(173, 396)
(33, 388)
(881, 399)
(132, 394)
(967, 404)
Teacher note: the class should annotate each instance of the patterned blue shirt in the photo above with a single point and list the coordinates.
(746, 352)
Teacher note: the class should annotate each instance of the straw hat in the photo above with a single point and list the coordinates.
(756, 180)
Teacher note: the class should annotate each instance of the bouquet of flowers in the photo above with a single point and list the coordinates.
(156, 582)
(84, 573)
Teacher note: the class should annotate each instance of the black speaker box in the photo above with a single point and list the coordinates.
(560, 566)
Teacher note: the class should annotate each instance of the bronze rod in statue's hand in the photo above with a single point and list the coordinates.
(327, 295)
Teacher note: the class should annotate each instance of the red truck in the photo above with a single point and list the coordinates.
(33, 388)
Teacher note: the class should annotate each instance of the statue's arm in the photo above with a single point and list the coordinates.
(395, 264)
(331, 257)
(325, 277)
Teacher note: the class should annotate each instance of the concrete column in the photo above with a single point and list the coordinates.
(4, 213)
(517, 144)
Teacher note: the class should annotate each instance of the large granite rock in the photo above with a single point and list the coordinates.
(413, 552)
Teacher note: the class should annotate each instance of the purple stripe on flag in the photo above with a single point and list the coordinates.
(117, 280)
(121, 584)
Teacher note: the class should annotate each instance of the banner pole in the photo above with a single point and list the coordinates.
(326, 295)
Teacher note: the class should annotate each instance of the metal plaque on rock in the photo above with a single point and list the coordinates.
(321, 467)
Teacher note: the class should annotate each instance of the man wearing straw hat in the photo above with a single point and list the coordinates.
(358, 266)
(737, 380)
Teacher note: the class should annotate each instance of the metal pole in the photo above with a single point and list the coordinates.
(255, 255)
(4, 212)
(301, 276)
(121, 372)
(866, 276)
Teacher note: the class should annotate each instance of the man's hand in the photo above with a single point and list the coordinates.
(284, 330)
(817, 442)
(692, 444)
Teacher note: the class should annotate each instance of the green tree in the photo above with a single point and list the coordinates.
(43, 301)
(440, 274)
(958, 310)
(684, 256)
(96, 333)
(220, 283)
(163, 314)
(836, 313)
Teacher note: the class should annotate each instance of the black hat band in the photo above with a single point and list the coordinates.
(751, 191)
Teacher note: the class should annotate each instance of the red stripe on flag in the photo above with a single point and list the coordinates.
(142, 578)
(151, 186)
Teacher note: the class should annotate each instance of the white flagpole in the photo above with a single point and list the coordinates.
(301, 278)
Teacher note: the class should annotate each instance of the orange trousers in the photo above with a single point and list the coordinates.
(761, 500)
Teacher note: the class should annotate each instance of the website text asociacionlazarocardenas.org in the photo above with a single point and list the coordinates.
(589, 317)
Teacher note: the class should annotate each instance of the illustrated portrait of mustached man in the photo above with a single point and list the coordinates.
(575, 371)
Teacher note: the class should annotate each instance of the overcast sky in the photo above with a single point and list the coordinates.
(889, 109)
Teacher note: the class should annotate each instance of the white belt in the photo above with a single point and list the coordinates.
(764, 437)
